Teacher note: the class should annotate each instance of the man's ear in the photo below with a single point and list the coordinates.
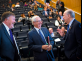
(33, 23)
(6, 20)
(69, 15)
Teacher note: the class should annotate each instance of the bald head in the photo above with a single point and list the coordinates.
(68, 16)
(70, 12)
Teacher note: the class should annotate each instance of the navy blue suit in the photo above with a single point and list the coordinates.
(35, 44)
(7, 48)
(73, 42)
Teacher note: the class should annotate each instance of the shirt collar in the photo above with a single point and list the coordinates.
(71, 22)
(7, 28)
(36, 29)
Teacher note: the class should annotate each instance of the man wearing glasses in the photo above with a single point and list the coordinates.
(38, 39)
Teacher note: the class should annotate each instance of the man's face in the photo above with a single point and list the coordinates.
(50, 30)
(60, 13)
(65, 17)
(37, 23)
(11, 21)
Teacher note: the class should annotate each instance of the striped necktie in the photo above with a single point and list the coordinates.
(42, 36)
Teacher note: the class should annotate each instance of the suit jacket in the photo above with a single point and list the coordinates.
(35, 44)
(7, 48)
(44, 13)
(73, 41)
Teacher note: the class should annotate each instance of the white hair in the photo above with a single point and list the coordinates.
(34, 19)
(71, 12)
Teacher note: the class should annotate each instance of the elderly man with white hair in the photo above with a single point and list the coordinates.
(38, 39)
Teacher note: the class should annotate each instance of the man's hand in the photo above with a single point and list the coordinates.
(60, 32)
(44, 47)
(47, 47)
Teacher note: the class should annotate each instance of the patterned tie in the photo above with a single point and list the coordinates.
(11, 35)
(42, 36)
(67, 28)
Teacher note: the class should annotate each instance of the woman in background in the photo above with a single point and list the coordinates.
(22, 17)
(25, 4)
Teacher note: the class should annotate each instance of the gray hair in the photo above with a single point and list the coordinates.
(71, 12)
(34, 19)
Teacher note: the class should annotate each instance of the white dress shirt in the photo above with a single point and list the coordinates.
(7, 28)
(52, 35)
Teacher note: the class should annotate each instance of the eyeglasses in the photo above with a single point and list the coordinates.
(39, 21)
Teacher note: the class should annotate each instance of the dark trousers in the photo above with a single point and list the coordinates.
(75, 59)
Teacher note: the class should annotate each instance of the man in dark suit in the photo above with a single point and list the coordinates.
(72, 37)
(8, 47)
(45, 12)
(38, 43)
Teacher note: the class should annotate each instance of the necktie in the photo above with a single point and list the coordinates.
(16, 50)
(67, 28)
(42, 36)
(11, 35)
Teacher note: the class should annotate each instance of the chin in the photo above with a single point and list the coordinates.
(39, 27)
(12, 27)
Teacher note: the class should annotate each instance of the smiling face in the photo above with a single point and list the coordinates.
(38, 22)
(10, 21)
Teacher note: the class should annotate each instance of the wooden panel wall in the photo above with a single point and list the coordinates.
(75, 5)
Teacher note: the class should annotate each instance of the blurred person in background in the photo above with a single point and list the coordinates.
(22, 17)
(17, 4)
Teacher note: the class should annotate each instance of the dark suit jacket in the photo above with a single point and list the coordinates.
(7, 48)
(35, 44)
(44, 13)
(73, 41)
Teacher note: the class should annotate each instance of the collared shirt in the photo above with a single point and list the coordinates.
(41, 32)
(52, 35)
(7, 28)
(71, 22)
(62, 18)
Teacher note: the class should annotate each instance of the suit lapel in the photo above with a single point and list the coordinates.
(38, 36)
(70, 29)
(6, 33)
